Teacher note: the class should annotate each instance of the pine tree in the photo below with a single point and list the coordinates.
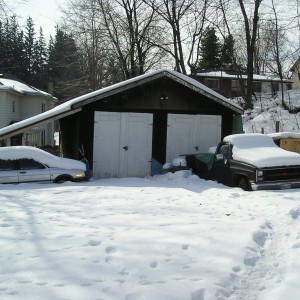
(40, 65)
(64, 63)
(12, 50)
(210, 50)
(30, 49)
(227, 53)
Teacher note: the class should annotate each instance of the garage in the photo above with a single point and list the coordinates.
(124, 129)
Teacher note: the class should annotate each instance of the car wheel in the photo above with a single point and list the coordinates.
(62, 179)
(244, 184)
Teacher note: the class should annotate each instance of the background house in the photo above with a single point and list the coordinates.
(227, 83)
(128, 127)
(19, 101)
(295, 69)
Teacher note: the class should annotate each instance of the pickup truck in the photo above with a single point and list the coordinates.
(249, 161)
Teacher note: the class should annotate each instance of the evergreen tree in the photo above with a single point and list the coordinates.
(40, 64)
(64, 63)
(210, 50)
(30, 49)
(227, 53)
(12, 49)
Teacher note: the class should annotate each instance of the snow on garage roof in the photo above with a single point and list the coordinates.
(74, 105)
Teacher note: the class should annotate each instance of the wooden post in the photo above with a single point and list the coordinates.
(277, 126)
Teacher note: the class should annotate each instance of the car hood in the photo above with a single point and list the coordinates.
(262, 157)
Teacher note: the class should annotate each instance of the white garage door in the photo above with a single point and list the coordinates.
(122, 144)
(190, 134)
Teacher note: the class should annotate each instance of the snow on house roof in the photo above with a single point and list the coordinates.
(261, 151)
(224, 74)
(74, 105)
(20, 88)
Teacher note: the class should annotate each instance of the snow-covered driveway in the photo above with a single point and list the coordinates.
(167, 237)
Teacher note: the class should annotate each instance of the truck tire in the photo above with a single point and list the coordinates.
(244, 184)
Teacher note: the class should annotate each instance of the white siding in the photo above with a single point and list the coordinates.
(26, 107)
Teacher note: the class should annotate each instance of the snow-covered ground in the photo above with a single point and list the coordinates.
(168, 237)
(268, 110)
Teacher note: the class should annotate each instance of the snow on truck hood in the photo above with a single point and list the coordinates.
(261, 151)
(18, 152)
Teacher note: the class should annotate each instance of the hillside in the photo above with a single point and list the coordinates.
(268, 110)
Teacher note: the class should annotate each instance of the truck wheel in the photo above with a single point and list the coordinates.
(244, 184)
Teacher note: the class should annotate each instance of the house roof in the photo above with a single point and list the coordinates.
(295, 66)
(21, 88)
(75, 105)
(256, 77)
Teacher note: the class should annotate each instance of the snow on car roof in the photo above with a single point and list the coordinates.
(19, 152)
(260, 151)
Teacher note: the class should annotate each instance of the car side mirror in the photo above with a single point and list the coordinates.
(219, 157)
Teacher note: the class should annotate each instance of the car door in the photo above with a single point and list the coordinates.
(31, 170)
(221, 167)
(8, 172)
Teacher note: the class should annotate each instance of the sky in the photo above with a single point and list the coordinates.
(45, 14)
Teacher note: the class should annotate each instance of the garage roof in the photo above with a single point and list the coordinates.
(75, 105)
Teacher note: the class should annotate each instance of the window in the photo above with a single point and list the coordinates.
(256, 86)
(213, 84)
(29, 164)
(235, 85)
(43, 138)
(275, 88)
(43, 107)
(7, 165)
(223, 149)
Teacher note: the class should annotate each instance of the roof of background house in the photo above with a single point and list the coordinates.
(21, 88)
(295, 65)
(226, 74)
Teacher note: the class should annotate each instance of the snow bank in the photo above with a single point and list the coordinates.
(260, 151)
(41, 156)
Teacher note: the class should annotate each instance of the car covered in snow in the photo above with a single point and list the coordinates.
(29, 164)
(251, 162)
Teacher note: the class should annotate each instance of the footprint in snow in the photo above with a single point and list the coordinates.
(110, 249)
(94, 243)
(154, 264)
(185, 247)
(236, 269)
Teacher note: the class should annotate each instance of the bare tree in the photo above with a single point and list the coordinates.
(130, 26)
(251, 37)
(184, 24)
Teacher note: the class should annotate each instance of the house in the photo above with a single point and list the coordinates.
(295, 69)
(19, 101)
(227, 83)
(127, 128)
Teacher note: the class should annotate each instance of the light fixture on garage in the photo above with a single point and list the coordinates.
(163, 98)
